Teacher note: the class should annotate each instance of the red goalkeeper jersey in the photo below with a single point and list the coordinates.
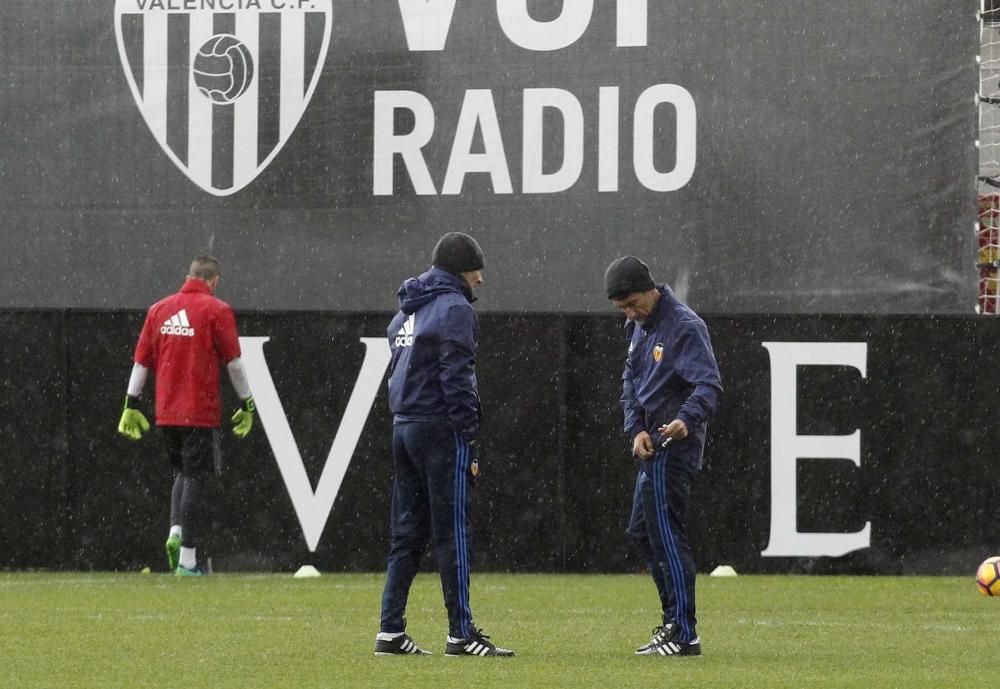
(185, 339)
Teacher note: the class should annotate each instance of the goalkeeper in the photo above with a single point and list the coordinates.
(184, 340)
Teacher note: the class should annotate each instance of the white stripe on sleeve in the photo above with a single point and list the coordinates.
(238, 377)
(137, 380)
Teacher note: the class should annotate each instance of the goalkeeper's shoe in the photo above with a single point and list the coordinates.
(401, 645)
(476, 645)
(173, 548)
(183, 571)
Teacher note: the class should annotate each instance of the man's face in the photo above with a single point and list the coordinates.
(637, 306)
(473, 278)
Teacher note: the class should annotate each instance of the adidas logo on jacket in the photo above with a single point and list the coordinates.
(404, 338)
(177, 325)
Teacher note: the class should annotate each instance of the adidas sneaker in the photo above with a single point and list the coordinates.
(675, 648)
(662, 634)
(476, 645)
(398, 645)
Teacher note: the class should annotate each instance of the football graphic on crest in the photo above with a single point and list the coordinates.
(223, 69)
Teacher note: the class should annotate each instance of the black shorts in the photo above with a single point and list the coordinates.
(193, 451)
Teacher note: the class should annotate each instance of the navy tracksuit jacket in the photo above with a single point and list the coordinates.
(433, 340)
(436, 411)
(670, 373)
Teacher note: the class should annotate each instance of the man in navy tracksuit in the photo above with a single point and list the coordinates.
(435, 403)
(671, 386)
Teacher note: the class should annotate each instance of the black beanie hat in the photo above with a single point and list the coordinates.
(626, 275)
(457, 253)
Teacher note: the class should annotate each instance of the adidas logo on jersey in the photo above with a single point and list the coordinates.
(177, 325)
(404, 338)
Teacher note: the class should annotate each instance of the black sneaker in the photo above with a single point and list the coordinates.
(675, 648)
(661, 635)
(399, 646)
(476, 645)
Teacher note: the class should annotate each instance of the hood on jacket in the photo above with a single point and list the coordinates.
(667, 299)
(415, 293)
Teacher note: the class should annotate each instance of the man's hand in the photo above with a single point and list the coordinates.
(243, 418)
(132, 423)
(675, 430)
(642, 445)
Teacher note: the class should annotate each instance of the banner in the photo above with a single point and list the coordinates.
(842, 444)
(762, 157)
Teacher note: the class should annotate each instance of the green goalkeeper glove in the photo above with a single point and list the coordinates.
(133, 423)
(243, 418)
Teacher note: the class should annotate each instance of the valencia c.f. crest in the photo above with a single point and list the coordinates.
(222, 84)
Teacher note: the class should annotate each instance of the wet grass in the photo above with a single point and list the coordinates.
(244, 631)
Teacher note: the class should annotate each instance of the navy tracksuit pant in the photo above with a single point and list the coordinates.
(431, 494)
(656, 528)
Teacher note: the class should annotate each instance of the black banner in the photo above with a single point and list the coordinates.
(556, 480)
(765, 157)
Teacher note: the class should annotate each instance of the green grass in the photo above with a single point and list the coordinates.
(243, 631)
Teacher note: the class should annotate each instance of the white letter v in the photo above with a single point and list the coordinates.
(426, 22)
(313, 509)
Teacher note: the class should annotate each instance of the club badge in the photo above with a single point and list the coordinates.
(222, 91)
(657, 352)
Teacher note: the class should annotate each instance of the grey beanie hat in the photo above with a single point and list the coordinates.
(626, 275)
(457, 253)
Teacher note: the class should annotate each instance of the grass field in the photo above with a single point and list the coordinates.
(130, 630)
